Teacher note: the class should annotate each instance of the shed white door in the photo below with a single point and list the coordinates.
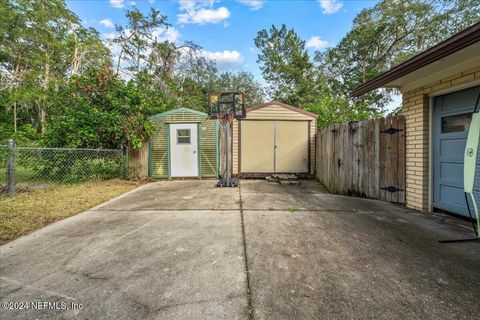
(183, 150)
(291, 142)
(274, 146)
(257, 143)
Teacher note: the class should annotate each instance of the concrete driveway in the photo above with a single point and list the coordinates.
(188, 250)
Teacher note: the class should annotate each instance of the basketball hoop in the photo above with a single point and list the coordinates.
(223, 103)
(225, 107)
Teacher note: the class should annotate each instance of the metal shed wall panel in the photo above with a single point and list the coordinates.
(208, 148)
(158, 150)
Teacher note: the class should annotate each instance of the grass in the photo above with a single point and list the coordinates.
(21, 174)
(32, 210)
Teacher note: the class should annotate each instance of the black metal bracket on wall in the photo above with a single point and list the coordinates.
(391, 130)
(392, 189)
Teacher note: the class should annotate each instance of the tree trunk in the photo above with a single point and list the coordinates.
(75, 59)
(42, 119)
(138, 62)
(41, 107)
(119, 61)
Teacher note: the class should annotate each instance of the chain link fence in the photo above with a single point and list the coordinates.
(31, 167)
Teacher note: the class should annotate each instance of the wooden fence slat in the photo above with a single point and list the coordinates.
(344, 132)
(393, 149)
(365, 154)
(382, 158)
(373, 160)
(360, 158)
(378, 158)
(401, 160)
(360, 153)
(330, 155)
(354, 136)
(339, 159)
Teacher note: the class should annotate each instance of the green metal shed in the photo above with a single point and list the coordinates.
(184, 144)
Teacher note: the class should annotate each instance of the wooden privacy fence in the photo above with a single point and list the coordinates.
(365, 158)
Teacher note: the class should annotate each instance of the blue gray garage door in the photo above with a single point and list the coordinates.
(451, 120)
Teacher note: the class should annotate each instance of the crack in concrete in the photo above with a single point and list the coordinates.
(247, 271)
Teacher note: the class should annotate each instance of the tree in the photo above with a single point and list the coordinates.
(103, 112)
(137, 38)
(387, 34)
(47, 25)
(336, 110)
(87, 50)
(58, 77)
(244, 82)
(294, 79)
(285, 64)
(42, 43)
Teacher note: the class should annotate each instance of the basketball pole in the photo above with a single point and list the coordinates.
(225, 108)
(227, 153)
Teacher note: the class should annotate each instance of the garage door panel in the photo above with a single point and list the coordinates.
(292, 146)
(451, 120)
(452, 172)
(451, 198)
(453, 146)
(257, 139)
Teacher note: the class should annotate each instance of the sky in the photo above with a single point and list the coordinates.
(226, 29)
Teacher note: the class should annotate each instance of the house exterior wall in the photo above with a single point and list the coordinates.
(416, 109)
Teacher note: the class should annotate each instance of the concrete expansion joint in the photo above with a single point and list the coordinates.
(244, 243)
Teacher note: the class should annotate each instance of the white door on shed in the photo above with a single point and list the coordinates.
(291, 142)
(257, 153)
(183, 150)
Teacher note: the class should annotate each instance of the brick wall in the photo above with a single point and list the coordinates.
(416, 112)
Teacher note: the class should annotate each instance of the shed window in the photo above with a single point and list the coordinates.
(456, 123)
(183, 136)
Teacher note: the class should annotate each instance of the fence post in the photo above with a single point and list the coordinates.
(11, 181)
(126, 166)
